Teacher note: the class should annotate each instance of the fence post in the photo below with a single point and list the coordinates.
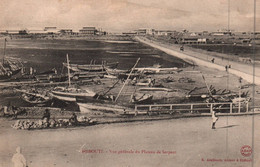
(170, 107)
(247, 106)
(191, 108)
(231, 108)
(211, 107)
(150, 108)
(136, 112)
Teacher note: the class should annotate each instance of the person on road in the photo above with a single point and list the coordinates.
(214, 119)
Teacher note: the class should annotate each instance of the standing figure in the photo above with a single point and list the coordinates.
(214, 119)
(73, 119)
(46, 117)
(18, 159)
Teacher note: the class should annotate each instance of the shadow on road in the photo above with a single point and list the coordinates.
(229, 126)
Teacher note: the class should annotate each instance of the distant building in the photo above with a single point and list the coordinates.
(66, 31)
(3, 32)
(145, 31)
(88, 31)
(12, 32)
(193, 38)
(23, 32)
(164, 32)
(129, 33)
(51, 30)
(37, 32)
(222, 32)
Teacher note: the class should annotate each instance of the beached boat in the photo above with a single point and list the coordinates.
(72, 67)
(110, 76)
(123, 74)
(51, 77)
(9, 66)
(157, 69)
(87, 75)
(35, 97)
(115, 71)
(91, 67)
(145, 82)
(70, 93)
(140, 98)
(90, 107)
(155, 89)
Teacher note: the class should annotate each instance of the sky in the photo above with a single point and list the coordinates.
(127, 15)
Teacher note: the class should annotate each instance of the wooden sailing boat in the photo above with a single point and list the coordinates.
(9, 66)
(35, 97)
(71, 93)
(91, 67)
(136, 97)
(86, 107)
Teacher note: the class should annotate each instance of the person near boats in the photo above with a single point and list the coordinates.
(73, 119)
(46, 116)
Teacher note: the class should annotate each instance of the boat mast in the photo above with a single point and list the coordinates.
(68, 67)
(4, 50)
(127, 79)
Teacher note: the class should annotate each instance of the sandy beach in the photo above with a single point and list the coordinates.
(185, 142)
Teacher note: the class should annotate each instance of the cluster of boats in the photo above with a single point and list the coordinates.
(71, 93)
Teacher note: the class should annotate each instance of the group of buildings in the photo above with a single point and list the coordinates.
(203, 37)
(180, 37)
(55, 31)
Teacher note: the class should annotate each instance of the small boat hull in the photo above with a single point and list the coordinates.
(142, 99)
(88, 108)
(70, 94)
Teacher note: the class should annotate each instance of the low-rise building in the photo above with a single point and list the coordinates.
(129, 33)
(66, 31)
(164, 32)
(88, 31)
(51, 30)
(145, 31)
(12, 32)
(37, 32)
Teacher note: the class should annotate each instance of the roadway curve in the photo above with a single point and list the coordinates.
(241, 70)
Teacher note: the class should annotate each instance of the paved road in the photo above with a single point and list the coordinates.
(242, 70)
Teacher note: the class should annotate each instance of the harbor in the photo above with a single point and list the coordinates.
(118, 91)
(129, 83)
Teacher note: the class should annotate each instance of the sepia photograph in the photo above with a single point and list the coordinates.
(129, 83)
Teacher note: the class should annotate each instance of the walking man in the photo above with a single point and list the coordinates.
(214, 119)
(18, 158)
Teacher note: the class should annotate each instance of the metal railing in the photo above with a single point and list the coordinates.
(193, 107)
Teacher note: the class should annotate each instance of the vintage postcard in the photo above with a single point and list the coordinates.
(129, 83)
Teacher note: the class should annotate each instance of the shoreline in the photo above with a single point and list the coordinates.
(238, 69)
